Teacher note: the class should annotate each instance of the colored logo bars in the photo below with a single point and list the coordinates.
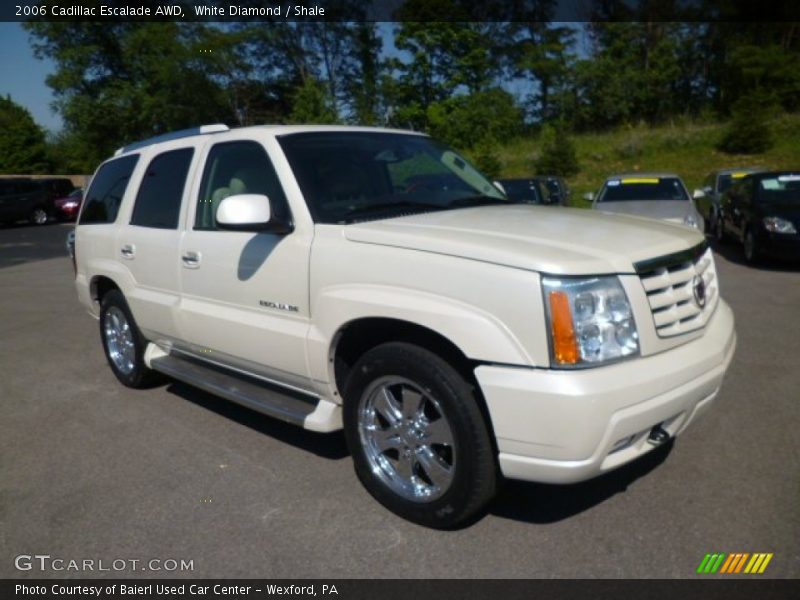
(735, 562)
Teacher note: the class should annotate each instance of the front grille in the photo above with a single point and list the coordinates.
(671, 291)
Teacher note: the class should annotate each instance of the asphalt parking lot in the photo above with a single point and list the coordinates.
(92, 470)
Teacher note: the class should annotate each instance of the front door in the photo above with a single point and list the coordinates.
(244, 301)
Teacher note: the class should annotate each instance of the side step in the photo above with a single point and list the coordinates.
(292, 407)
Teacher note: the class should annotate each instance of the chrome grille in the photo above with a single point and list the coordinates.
(670, 291)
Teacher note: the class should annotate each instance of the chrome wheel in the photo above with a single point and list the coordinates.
(119, 340)
(39, 216)
(407, 439)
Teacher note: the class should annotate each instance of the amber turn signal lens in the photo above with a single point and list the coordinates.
(565, 346)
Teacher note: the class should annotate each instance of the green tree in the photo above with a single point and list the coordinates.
(22, 141)
(442, 56)
(364, 76)
(465, 120)
(537, 50)
(313, 104)
(116, 82)
(748, 131)
(633, 75)
(558, 155)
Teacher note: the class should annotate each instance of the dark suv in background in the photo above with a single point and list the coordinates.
(537, 190)
(24, 199)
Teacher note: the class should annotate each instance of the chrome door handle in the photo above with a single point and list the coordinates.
(128, 251)
(191, 260)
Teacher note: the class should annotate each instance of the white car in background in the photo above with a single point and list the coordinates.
(655, 195)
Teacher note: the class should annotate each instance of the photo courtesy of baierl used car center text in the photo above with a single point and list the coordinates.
(399, 299)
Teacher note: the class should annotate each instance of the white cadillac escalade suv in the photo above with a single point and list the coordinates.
(373, 280)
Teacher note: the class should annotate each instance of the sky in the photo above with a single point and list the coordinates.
(23, 77)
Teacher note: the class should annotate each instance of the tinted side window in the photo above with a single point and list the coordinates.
(158, 203)
(237, 168)
(105, 194)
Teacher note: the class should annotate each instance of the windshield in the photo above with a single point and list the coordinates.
(352, 176)
(522, 190)
(643, 188)
(726, 180)
(780, 188)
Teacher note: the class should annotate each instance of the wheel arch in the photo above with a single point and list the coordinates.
(99, 286)
(356, 337)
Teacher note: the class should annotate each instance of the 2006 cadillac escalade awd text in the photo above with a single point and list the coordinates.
(373, 280)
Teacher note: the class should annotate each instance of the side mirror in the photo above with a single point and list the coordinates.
(589, 196)
(249, 212)
(500, 187)
(697, 194)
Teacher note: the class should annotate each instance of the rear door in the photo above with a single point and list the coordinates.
(245, 294)
(148, 243)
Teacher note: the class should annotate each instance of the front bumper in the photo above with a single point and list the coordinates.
(560, 426)
(780, 245)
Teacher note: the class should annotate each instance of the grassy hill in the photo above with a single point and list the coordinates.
(686, 148)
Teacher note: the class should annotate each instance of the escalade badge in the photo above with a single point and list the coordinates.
(279, 305)
(699, 290)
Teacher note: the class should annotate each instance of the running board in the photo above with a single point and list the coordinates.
(271, 400)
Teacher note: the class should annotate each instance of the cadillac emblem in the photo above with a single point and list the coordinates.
(699, 290)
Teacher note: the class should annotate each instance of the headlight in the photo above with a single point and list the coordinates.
(690, 220)
(778, 225)
(590, 321)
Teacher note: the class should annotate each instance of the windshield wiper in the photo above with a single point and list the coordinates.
(364, 211)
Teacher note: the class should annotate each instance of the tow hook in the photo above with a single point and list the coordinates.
(658, 435)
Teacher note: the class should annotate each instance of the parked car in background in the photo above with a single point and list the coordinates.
(707, 198)
(55, 187)
(655, 195)
(66, 208)
(762, 211)
(557, 190)
(523, 191)
(23, 199)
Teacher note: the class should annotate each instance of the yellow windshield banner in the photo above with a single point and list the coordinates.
(640, 180)
(738, 175)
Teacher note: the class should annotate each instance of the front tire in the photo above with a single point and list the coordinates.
(719, 230)
(752, 253)
(419, 442)
(123, 343)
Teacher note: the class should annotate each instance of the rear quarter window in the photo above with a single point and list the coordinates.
(106, 191)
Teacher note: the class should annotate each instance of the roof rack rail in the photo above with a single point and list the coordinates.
(174, 135)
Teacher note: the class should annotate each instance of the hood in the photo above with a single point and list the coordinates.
(538, 238)
(654, 209)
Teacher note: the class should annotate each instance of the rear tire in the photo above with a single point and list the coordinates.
(123, 343)
(38, 216)
(419, 442)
